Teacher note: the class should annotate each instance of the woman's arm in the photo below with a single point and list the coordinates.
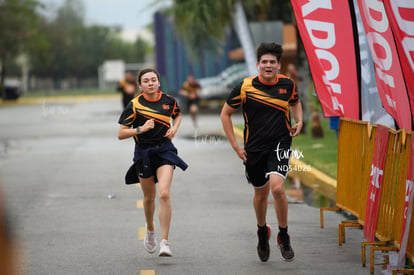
(173, 130)
(127, 132)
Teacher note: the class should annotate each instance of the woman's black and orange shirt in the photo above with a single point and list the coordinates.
(140, 109)
(265, 111)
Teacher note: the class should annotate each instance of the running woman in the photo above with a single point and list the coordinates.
(147, 118)
(266, 100)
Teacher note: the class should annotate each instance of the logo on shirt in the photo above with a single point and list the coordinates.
(165, 106)
(282, 91)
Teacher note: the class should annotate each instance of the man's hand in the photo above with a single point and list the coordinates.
(295, 130)
(241, 153)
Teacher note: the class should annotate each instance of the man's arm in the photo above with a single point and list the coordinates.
(297, 116)
(225, 116)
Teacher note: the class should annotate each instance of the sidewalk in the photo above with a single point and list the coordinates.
(43, 99)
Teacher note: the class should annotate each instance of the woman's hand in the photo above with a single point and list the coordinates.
(174, 128)
(170, 133)
(148, 125)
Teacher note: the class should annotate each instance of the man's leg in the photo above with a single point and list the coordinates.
(255, 173)
(260, 204)
(193, 114)
(276, 183)
(263, 230)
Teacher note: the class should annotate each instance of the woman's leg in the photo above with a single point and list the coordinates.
(164, 175)
(149, 189)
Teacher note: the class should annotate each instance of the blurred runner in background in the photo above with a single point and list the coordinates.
(128, 87)
(190, 90)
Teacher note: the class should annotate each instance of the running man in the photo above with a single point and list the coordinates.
(266, 100)
(128, 87)
(190, 90)
(147, 118)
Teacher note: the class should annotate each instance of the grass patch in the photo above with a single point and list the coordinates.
(319, 153)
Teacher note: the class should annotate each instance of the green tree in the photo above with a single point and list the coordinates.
(76, 50)
(18, 25)
(139, 50)
(203, 23)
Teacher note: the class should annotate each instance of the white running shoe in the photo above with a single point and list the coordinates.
(150, 242)
(165, 250)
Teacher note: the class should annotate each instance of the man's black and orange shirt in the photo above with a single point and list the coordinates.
(265, 110)
(140, 109)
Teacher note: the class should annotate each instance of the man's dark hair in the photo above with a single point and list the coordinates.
(148, 70)
(269, 48)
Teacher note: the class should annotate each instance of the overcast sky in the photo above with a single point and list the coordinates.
(130, 14)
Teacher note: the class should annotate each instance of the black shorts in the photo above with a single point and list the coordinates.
(191, 102)
(260, 165)
(155, 163)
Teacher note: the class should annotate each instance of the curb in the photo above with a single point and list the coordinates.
(307, 174)
(42, 100)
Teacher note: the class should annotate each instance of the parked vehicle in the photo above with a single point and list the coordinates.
(12, 89)
(218, 87)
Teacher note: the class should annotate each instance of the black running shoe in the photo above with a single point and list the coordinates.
(263, 248)
(285, 248)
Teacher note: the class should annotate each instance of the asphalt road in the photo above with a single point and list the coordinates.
(62, 169)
